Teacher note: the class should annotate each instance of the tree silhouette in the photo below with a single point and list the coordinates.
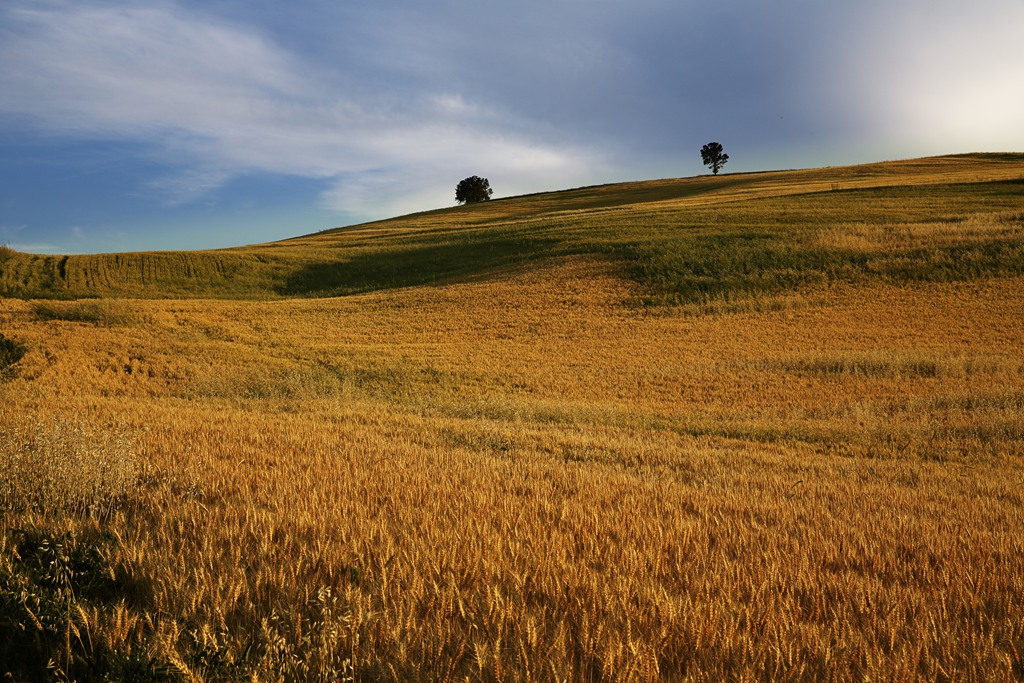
(472, 190)
(714, 156)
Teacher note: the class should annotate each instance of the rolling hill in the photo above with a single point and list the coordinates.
(763, 426)
(684, 240)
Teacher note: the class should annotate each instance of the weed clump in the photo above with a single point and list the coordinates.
(110, 312)
(10, 353)
(50, 583)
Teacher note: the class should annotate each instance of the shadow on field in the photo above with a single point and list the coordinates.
(374, 270)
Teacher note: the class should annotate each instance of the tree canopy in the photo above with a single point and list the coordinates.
(714, 156)
(472, 190)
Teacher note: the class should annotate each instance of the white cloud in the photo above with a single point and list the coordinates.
(124, 69)
(217, 99)
(437, 159)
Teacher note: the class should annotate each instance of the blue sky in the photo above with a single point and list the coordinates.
(182, 124)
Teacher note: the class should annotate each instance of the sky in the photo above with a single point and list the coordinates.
(194, 124)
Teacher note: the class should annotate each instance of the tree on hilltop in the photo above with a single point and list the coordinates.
(714, 156)
(472, 190)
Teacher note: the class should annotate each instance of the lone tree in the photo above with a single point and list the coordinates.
(714, 156)
(472, 190)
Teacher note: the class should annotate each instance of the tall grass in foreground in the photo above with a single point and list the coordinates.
(67, 467)
(345, 543)
(60, 482)
(521, 478)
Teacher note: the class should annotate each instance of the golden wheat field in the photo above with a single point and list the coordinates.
(529, 473)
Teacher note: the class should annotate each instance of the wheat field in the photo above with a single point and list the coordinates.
(585, 465)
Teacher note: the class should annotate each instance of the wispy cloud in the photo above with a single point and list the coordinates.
(134, 69)
(216, 100)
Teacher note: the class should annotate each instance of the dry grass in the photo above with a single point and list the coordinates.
(66, 467)
(521, 474)
(522, 478)
(964, 230)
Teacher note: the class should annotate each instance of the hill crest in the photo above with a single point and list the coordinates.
(642, 223)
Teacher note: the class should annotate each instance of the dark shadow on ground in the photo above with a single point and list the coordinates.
(384, 268)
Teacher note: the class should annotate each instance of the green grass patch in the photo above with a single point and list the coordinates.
(769, 247)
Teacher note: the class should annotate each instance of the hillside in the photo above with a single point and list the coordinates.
(683, 240)
(752, 427)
